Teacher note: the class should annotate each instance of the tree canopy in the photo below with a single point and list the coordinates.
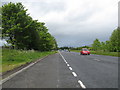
(111, 45)
(96, 44)
(22, 32)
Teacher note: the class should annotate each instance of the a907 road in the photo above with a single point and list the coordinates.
(68, 70)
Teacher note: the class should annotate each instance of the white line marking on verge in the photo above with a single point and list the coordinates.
(81, 84)
(70, 68)
(9, 77)
(74, 74)
(14, 74)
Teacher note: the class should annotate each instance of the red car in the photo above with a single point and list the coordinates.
(85, 51)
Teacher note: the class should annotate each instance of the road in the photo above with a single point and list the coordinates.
(69, 70)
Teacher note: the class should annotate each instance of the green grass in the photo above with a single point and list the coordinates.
(75, 50)
(101, 53)
(14, 58)
(105, 53)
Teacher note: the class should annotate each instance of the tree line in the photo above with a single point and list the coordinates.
(112, 45)
(22, 32)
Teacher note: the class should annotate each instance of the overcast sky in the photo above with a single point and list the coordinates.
(75, 22)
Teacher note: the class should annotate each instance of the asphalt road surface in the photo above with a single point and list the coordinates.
(69, 70)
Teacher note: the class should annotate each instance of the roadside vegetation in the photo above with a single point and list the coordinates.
(110, 47)
(22, 32)
(105, 53)
(15, 58)
(27, 39)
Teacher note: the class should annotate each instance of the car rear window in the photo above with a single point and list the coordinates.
(85, 49)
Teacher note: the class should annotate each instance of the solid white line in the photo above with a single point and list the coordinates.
(74, 74)
(9, 77)
(70, 68)
(81, 84)
(14, 74)
(65, 61)
(63, 57)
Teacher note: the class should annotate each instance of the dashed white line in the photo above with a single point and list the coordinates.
(57, 86)
(66, 62)
(70, 68)
(74, 74)
(81, 84)
(68, 65)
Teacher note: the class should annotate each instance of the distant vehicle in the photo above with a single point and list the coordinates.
(66, 50)
(85, 51)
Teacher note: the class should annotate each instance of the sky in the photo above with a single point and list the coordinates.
(75, 23)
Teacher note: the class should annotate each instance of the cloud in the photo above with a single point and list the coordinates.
(75, 22)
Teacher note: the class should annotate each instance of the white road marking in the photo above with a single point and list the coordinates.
(63, 57)
(66, 62)
(14, 74)
(58, 82)
(57, 86)
(70, 68)
(9, 77)
(96, 59)
(74, 74)
(68, 65)
(81, 84)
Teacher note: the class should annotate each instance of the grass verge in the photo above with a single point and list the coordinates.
(101, 53)
(15, 58)
(105, 53)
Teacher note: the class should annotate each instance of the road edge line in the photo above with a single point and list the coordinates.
(19, 71)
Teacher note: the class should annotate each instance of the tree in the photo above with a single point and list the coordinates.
(108, 46)
(114, 39)
(22, 31)
(96, 44)
(103, 46)
(14, 21)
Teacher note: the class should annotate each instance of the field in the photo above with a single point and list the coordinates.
(14, 58)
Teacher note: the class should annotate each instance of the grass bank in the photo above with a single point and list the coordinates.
(105, 53)
(14, 58)
(101, 53)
